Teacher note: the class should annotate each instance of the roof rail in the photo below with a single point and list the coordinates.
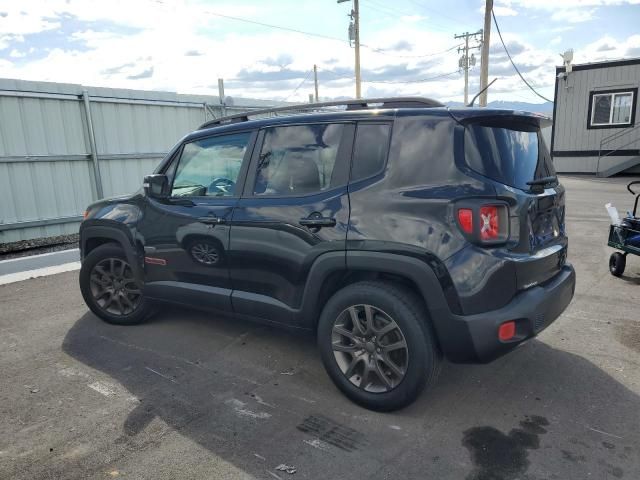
(361, 104)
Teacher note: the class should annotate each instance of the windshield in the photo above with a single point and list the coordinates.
(513, 156)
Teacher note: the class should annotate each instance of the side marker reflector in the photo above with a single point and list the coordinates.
(155, 261)
(507, 331)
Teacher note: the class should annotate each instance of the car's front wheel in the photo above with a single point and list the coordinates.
(377, 346)
(109, 288)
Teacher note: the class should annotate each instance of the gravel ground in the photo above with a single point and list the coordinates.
(190, 395)
(36, 246)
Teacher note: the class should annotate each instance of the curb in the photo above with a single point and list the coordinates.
(37, 262)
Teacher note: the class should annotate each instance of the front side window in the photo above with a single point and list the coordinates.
(298, 159)
(612, 108)
(210, 166)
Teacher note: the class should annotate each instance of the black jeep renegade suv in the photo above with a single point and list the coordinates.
(398, 232)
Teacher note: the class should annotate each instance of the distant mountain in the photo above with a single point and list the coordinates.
(543, 108)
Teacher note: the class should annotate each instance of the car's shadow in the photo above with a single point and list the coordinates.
(258, 396)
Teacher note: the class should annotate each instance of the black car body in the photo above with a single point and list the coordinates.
(459, 208)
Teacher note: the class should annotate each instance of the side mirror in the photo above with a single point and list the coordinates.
(156, 186)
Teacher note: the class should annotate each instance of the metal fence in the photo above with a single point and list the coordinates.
(63, 146)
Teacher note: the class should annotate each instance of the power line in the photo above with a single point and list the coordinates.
(512, 62)
(326, 37)
(419, 80)
(394, 13)
(279, 27)
(299, 85)
(385, 52)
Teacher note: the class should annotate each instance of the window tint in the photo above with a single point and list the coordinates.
(298, 160)
(210, 166)
(370, 150)
(510, 156)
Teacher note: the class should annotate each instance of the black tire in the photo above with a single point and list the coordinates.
(617, 263)
(423, 356)
(131, 315)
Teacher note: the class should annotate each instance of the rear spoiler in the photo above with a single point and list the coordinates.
(497, 116)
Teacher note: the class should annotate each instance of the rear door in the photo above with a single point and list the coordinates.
(512, 152)
(294, 208)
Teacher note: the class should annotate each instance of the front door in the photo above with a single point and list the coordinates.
(294, 208)
(186, 237)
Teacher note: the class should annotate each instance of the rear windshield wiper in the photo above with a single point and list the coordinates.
(543, 181)
(538, 184)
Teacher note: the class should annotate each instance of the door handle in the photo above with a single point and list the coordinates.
(211, 220)
(317, 222)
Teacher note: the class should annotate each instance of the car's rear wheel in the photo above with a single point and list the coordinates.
(109, 288)
(377, 346)
(617, 263)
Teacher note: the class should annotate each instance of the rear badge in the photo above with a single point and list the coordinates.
(155, 261)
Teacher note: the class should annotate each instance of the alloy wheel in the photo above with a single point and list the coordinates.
(113, 287)
(370, 348)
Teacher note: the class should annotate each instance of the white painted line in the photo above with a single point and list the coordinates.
(39, 272)
(104, 388)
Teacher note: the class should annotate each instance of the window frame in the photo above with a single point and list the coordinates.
(343, 158)
(242, 173)
(612, 94)
(388, 150)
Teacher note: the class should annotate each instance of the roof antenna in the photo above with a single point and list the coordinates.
(481, 92)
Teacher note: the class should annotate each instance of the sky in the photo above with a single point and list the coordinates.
(408, 45)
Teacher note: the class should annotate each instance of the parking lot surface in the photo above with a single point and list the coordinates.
(188, 395)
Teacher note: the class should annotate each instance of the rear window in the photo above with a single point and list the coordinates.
(512, 156)
(370, 150)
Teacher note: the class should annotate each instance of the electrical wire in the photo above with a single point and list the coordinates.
(299, 85)
(420, 80)
(326, 37)
(386, 52)
(512, 62)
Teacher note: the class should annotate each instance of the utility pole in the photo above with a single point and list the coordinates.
(484, 62)
(315, 79)
(354, 35)
(223, 104)
(466, 61)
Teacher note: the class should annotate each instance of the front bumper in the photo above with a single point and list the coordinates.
(474, 338)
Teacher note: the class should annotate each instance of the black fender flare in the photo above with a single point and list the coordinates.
(406, 266)
(435, 286)
(116, 234)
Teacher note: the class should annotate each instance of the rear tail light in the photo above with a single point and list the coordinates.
(465, 217)
(484, 224)
(489, 223)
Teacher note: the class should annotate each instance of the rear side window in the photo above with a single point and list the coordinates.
(512, 156)
(370, 149)
(298, 160)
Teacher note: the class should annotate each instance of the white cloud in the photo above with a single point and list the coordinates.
(573, 15)
(156, 54)
(412, 18)
(504, 11)
(607, 48)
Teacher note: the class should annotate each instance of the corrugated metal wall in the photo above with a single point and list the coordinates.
(46, 170)
(572, 114)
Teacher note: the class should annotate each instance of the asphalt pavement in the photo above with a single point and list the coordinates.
(190, 395)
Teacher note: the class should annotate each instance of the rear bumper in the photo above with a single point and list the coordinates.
(474, 338)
